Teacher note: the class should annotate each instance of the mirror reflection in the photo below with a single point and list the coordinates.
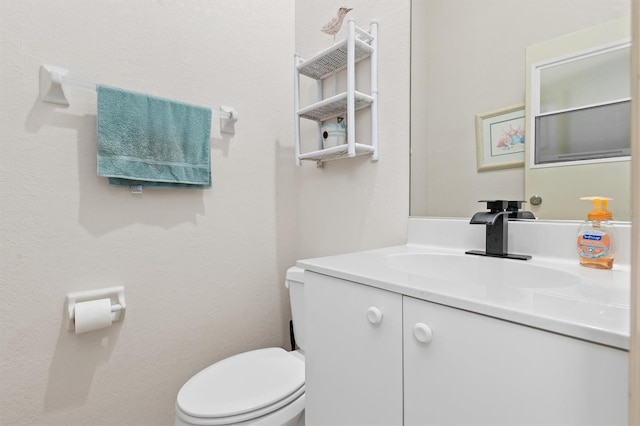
(579, 114)
(468, 57)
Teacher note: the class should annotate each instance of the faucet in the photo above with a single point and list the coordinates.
(496, 221)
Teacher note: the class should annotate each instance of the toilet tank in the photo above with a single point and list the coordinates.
(295, 283)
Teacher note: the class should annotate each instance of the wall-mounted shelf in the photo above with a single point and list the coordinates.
(334, 106)
(323, 64)
(336, 152)
(358, 45)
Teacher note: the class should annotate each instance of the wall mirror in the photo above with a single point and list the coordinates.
(468, 59)
(578, 109)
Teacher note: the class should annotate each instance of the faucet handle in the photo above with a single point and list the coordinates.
(496, 205)
(515, 205)
(515, 212)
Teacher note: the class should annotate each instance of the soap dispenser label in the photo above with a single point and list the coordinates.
(594, 244)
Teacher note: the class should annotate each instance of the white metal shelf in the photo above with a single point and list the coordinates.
(334, 106)
(336, 152)
(358, 45)
(333, 59)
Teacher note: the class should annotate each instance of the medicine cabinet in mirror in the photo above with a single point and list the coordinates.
(578, 117)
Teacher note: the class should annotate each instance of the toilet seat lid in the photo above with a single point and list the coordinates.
(242, 383)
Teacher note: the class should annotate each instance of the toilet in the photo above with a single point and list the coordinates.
(260, 387)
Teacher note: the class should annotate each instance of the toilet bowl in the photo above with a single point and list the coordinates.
(260, 387)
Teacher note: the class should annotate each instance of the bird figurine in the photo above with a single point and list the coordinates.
(333, 26)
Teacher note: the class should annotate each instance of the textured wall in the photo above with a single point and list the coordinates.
(203, 270)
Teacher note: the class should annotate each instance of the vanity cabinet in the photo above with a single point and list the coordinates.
(478, 369)
(353, 354)
(377, 357)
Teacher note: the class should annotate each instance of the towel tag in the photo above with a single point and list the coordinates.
(136, 189)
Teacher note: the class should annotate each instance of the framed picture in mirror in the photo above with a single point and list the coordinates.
(500, 138)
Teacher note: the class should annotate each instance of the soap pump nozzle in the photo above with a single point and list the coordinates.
(600, 210)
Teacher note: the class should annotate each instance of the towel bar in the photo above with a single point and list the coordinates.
(52, 80)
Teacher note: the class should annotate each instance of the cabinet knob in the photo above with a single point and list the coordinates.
(422, 333)
(374, 315)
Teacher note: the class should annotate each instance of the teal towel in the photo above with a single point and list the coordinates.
(153, 142)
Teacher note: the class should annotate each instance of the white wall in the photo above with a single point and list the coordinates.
(203, 270)
(354, 204)
(471, 61)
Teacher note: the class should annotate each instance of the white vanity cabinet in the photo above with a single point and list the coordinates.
(376, 357)
(481, 370)
(353, 355)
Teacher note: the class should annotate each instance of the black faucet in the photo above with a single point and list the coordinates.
(496, 221)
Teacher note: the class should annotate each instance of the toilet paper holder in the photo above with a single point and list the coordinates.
(115, 294)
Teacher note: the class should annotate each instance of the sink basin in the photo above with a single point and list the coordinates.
(480, 270)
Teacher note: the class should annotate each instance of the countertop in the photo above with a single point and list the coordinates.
(589, 304)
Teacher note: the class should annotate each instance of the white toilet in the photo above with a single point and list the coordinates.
(261, 387)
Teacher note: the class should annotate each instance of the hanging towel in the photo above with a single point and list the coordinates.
(153, 142)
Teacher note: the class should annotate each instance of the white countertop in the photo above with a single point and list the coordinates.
(589, 304)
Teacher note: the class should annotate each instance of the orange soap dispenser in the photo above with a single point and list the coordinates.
(596, 236)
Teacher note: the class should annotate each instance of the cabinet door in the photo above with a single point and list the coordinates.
(353, 356)
(481, 370)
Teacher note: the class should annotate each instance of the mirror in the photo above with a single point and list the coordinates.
(578, 104)
(468, 57)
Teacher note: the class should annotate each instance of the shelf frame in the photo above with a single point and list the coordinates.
(358, 45)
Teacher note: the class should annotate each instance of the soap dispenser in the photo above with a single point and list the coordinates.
(596, 242)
